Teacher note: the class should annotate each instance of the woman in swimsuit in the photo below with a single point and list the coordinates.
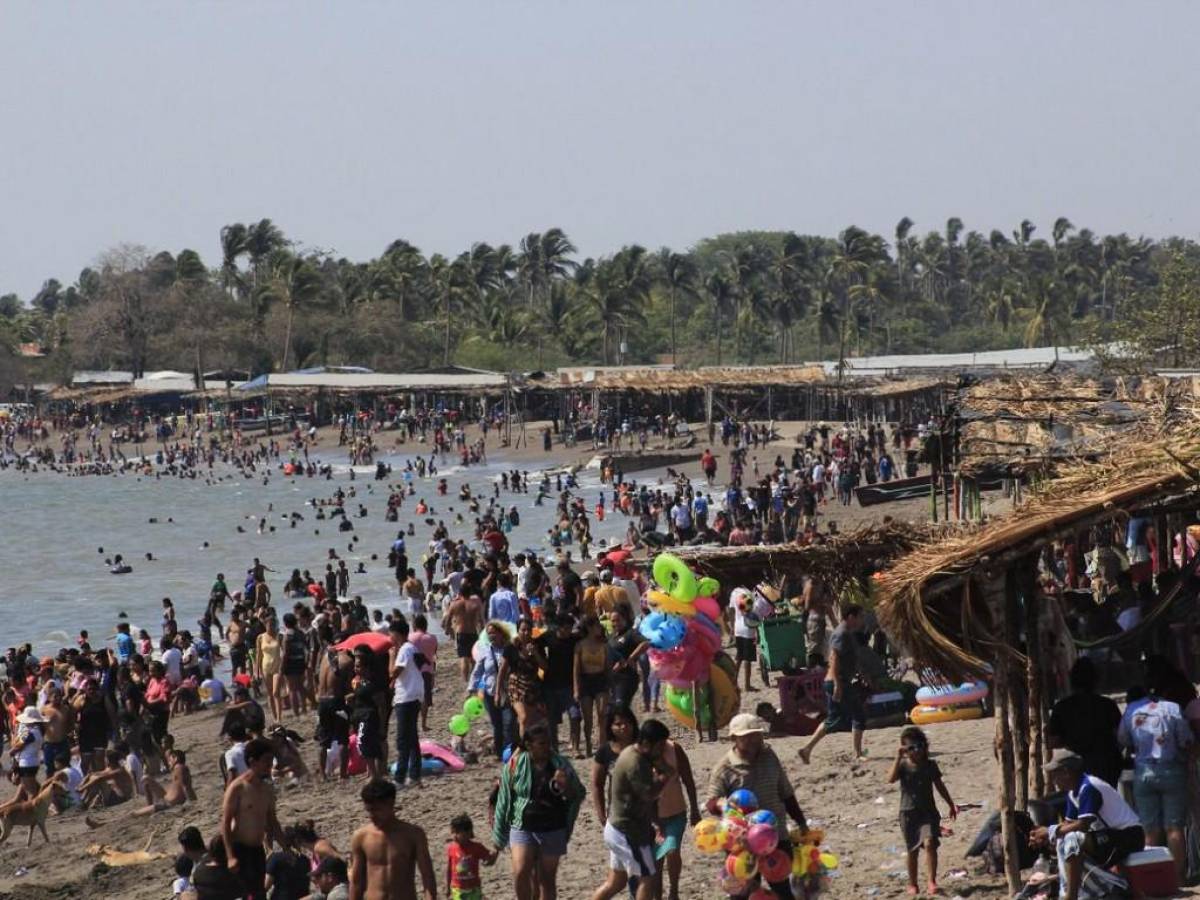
(518, 673)
(269, 663)
(591, 676)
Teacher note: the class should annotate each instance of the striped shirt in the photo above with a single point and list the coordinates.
(764, 777)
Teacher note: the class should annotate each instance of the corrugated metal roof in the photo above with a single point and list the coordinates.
(97, 377)
(1018, 358)
(377, 381)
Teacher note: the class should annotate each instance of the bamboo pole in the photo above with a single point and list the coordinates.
(1033, 676)
(1004, 738)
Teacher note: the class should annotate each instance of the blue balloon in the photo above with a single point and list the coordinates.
(743, 800)
(507, 755)
(763, 817)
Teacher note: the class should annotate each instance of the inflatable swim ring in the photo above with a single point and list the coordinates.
(443, 754)
(668, 604)
(931, 715)
(723, 706)
(674, 577)
(970, 692)
(707, 606)
(663, 631)
(708, 587)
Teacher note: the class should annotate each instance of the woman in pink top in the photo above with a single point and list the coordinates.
(158, 701)
(427, 646)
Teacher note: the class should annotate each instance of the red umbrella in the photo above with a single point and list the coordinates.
(377, 642)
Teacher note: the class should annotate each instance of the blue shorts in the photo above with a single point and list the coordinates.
(1160, 794)
(549, 843)
(848, 713)
(672, 829)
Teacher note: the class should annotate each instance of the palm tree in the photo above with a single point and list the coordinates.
(1062, 227)
(233, 247)
(263, 238)
(446, 285)
(618, 292)
(294, 281)
(856, 252)
(678, 274)
(722, 295)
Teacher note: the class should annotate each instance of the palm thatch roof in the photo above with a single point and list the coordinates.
(840, 560)
(925, 598)
(1020, 423)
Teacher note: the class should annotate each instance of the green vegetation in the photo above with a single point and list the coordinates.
(752, 297)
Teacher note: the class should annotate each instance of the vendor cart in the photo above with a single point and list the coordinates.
(781, 646)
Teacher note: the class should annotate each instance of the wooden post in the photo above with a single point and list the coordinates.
(1017, 695)
(1007, 799)
(1034, 599)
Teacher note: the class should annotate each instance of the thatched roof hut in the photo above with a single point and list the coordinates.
(839, 560)
(1015, 424)
(966, 605)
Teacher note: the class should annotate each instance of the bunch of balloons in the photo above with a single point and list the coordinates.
(460, 723)
(685, 636)
(749, 838)
(811, 865)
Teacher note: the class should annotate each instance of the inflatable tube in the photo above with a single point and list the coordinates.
(708, 607)
(723, 661)
(289, 469)
(704, 636)
(667, 604)
(708, 587)
(663, 631)
(674, 577)
(931, 715)
(443, 754)
(952, 696)
(723, 707)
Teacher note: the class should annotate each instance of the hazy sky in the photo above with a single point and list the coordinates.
(352, 124)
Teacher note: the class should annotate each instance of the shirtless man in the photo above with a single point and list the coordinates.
(109, 786)
(236, 635)
(248, 819)
(333, 719)
(464, 619)
(385, 855)
(177, 793)
(60, 719)
(818, 608)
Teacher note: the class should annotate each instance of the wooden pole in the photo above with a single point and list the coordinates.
(1017, 696)
(1033, 675)
(1004, 740)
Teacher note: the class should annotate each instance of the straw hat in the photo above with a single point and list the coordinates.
(31, 716)
(747, 723)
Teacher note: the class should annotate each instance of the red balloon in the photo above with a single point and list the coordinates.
(775, 866)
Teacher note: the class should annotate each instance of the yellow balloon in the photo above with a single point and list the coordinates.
(709, 836)
(829, 861)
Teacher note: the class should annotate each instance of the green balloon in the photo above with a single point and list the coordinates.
(472, 708)
(459, 725)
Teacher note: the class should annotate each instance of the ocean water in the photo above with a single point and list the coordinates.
(59, 531)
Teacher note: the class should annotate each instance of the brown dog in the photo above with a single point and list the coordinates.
(28, 812)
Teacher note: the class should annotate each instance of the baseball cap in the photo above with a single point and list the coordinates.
(1063, 759)
(747, 723)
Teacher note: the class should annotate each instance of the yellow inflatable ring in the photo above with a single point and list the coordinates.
(668, 604)
(930, 715)
(674, 577)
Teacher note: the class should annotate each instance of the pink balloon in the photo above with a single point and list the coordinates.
(762, 839)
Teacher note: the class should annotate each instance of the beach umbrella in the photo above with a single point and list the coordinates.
(375, 641)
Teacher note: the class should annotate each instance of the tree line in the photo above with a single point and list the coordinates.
(273, 304)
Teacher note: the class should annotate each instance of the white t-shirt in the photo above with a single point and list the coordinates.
(133, 765)
(74, 780)
(235, 759)
(30, 754)
(172, 661)
(180, 885)
(410, 685)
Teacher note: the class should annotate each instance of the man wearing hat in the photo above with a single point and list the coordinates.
(331, 880)
(1098, 824)
(752, 765)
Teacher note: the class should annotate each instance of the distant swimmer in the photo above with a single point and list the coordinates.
(119, 567)
(150, 557)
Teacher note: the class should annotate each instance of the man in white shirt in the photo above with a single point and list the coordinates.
(172, 661)
(235, 756)
(406, 702)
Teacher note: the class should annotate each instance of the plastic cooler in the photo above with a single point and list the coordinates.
(802, 701)
(1151, 872)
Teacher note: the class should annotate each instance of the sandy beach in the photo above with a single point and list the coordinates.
(851, 800)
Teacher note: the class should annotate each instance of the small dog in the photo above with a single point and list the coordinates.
(28, 812)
